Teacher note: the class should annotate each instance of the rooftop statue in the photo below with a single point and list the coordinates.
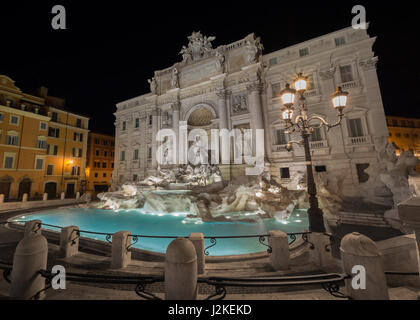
(198, 47)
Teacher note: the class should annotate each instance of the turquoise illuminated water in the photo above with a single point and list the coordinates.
(139, 222)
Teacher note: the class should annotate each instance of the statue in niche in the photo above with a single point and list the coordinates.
(220, 62)
(174, 79)
(239, 104)
(153, 85)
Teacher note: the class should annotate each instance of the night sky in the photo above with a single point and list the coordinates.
(111, 48)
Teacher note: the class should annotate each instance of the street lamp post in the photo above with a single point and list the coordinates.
(302, 124)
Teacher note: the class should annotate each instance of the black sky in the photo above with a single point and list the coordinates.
(111, 48)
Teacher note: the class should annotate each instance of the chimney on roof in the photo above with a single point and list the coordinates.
(43, 92)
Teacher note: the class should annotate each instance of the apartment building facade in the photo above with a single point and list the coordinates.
(99, 162)
(42, 146)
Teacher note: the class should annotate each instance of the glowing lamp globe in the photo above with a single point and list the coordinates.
(339, 99)
(287, 114)
(300, 83)
(288, 96)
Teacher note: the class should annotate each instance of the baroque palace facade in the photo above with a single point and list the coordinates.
(42, 146)
(236, 86)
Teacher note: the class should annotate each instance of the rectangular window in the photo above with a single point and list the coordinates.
(1, 116)
(149, 152)
(97, 153)
(124, 125)
(316, 135)
(339, 41)
(96, 174)
(122, 157)
(275, 90)
(8, 162)
(134, 177)
(346, 73)
(43, 126)
(103, 164)
(54, 117)
(39, 164)
(303, 52)
(77, 152)
(272, 61)
(52, 149)
(54, 132)
(136, 154)
(355, 127)
(50, 169)
(79, 123)
(96, 141)
(112, 153)
(41, 144)
(137, 124)
(14, 120)
(112, 165)
(104, 175)
(150, 119)
(12, 140)
(285, 173)
(105, 142)
(75, 171)
(105, 154)
(280, 137)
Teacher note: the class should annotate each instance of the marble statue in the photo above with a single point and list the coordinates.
(153, 85)
(220, 62)
(252, 52)
(174, 78)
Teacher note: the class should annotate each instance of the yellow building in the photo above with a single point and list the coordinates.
(42, 146)
(405, 134)
(99, 162)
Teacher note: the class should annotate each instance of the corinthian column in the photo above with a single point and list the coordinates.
(257, 122)
(175, 127)
(223, 124)
(155, 119)
(254, 98)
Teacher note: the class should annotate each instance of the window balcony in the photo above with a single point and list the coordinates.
(358, 140)
(318, 144)
(349, 85)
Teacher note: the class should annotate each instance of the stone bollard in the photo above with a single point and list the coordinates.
(77, 195)
(181, 270)
(321, 254)
(1, 198)
(25, 197)
(45, 197)
(197, 240)
(32, 228)
(358, 250)
(30, 257)
(121, 256)
(69, 241)
(280, 254)
(63, 196)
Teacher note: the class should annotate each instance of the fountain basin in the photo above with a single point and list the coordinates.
(140, 222)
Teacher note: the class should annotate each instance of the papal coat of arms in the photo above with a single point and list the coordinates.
(198, 47)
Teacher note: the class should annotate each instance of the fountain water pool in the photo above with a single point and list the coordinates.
(175, 224)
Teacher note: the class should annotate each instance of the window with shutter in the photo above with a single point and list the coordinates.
(355, 127)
